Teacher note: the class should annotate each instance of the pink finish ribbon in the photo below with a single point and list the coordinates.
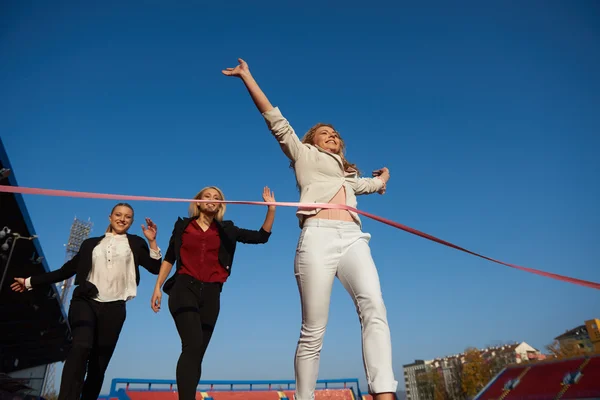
(89, 195)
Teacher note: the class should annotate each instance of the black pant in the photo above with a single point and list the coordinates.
(96, 328)
(194, 306)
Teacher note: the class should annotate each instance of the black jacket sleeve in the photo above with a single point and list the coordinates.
(65, 272)
(170, 254)
(151, 264)
(249, 236)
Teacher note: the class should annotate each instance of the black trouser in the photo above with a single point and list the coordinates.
(194, 306)
(95, 328)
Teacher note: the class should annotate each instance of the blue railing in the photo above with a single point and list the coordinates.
(119, 386)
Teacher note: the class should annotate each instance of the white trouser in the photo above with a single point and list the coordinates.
(329, 248)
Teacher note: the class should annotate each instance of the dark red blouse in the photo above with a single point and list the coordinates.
(200, 253)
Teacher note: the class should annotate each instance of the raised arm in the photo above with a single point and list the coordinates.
(278, 125)
(150, 258)
(258, 97)
(261, 236)
(269, 196)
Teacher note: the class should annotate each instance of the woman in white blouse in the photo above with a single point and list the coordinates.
(107, 275)
(331, 244)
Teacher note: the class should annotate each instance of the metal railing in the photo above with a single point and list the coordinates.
(119, 386)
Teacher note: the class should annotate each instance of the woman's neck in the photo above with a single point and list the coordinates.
(205, 220)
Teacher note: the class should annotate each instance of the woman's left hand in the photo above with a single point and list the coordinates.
(268, 196)
(150, 231)
(384, 175)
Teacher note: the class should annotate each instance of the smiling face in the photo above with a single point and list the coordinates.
(209, 208)
(215, 210)
(120, 219)
(327, 138)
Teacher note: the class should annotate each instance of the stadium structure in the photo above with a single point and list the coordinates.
(34, 329)
(575, 378)
(568, 379)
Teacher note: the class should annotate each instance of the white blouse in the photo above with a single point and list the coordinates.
(113, 268)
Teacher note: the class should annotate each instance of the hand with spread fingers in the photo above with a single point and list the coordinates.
(150, 231)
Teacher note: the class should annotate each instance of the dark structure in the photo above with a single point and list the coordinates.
(34, 329)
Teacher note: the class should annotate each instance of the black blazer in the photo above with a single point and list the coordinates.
(229, 235)
(81, 265)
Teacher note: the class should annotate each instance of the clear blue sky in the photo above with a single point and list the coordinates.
(486, 115)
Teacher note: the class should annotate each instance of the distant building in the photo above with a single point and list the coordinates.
(497, 356)
(515, 353)
(585, 338)
(411, 378)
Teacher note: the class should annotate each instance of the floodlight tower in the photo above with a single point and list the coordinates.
(80, 230)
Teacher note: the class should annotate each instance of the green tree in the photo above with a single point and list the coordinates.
(476, 372)
(431, 385)
(439, 385)
(499, 361)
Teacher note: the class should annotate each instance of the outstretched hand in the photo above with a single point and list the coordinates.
(150, 231)
(239, 71)
(268, 196)
(18, 285)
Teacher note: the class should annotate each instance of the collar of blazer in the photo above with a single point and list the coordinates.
(336, 156)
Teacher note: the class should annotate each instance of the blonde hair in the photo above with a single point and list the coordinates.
(109, 228)
(194, 210)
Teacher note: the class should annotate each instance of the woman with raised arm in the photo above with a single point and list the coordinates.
(203, 246)
(331, 244)
(107, 274)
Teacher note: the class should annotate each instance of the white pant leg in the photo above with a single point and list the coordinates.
(358, 274)
(315, 265)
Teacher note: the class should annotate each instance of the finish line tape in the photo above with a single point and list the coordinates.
(89, 195)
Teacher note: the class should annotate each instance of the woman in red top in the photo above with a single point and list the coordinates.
(202, 246)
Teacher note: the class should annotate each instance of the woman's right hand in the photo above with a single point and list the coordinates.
(156, 299)
(19, 285)
(240, 71)
(258, 97)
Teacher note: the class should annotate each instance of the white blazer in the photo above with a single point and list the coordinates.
(319, 173)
